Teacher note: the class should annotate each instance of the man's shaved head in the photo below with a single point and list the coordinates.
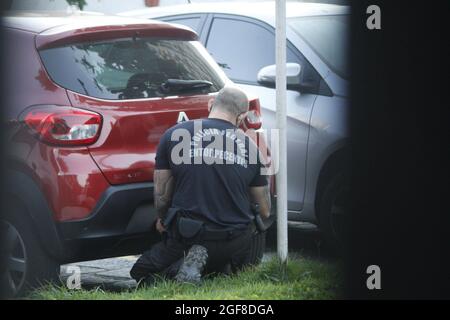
(231, 100)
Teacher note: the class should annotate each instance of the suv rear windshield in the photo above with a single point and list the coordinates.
(131, 68)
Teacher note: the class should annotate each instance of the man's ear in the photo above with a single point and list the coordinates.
(241, 117)
(210, 104)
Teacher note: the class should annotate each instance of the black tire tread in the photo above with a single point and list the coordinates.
(42, 268)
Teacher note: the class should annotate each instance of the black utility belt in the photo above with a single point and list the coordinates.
(194, 229)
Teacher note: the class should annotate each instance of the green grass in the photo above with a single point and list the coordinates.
(303, 279)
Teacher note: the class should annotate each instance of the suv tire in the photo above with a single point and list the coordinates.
(24, 263)
(333, 209)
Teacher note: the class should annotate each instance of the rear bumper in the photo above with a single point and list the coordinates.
(121, 223)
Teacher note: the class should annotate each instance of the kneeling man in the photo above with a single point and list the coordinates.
(208, 173)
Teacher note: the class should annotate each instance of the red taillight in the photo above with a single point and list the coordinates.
(64, 126)
(253, 119)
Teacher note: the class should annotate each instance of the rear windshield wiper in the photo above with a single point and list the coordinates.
(181, 85)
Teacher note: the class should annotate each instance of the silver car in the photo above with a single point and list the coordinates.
(241, 38)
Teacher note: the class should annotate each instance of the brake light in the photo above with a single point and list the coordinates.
(253, 119)
(65, 126)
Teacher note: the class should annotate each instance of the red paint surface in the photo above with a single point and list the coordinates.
(126, 148)
(65, 35)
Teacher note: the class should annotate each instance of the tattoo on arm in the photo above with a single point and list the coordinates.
(261, 195)
(164, 184)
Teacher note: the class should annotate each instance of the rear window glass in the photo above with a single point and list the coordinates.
(131, 68)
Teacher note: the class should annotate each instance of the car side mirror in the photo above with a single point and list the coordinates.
(267, 75)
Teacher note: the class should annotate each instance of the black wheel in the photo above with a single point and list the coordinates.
(333, 210)
(24, 264)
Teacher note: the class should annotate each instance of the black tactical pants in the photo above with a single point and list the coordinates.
(166, 257)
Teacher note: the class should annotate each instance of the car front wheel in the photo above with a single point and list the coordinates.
(333, 210)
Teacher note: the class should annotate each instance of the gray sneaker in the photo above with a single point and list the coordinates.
(193, 265)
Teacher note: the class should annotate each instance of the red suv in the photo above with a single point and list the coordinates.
(87, 99)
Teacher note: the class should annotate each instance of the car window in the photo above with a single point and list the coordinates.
(242, 48)
(328, 36)
(130, 68)
(191, 22)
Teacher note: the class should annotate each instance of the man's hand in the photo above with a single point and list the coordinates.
(159, 226)
(261, 196)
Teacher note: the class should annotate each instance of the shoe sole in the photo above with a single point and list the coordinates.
(193, 265)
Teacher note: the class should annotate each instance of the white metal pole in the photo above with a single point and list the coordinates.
(280, 36)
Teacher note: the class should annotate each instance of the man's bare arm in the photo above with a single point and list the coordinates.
(261, 196)
(164, 184)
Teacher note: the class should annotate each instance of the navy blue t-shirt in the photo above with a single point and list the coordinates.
(213, 163)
